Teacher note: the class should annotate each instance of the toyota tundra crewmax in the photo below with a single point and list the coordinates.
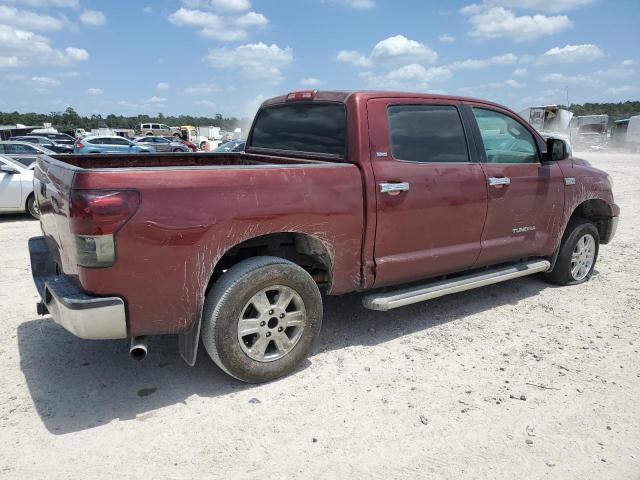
(336, 191)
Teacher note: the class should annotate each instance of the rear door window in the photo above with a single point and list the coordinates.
(427, 134)
(314, 127)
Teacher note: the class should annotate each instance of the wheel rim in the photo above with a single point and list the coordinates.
(34, 208)
(271, 323)
(584, 253)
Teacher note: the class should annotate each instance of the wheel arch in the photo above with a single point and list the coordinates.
(597, 211)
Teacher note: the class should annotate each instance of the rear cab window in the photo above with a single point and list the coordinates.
(316, 128)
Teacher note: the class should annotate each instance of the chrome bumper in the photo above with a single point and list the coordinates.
(92, 318)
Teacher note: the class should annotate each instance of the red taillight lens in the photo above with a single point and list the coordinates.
(302, 95)
(79, 144)
(101, 212)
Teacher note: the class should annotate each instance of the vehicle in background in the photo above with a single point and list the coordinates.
(124, 132)
(589, 131)
(45, 142)
(16, 188)
(108, 144)
(155, 129)
(549, 120)
(60, 138)
(233, 146)
(344, 191)
(24, 150)
(633, 133)
(80, 132)
(173, 138)
(161, 144)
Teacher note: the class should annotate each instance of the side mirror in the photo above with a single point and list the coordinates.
(557, 149)
(8, 169)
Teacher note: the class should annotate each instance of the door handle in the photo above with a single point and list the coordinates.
(394, 188)
(499, 181)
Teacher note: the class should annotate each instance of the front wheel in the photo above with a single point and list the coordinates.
(261, 319)
(32, 207)
(578, 254)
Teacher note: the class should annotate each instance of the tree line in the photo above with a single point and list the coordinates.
(70, 120)
(616, 111)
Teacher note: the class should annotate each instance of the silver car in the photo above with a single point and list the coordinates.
(161, 144)
(24, 152)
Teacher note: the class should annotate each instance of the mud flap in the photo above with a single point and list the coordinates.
(188, 343)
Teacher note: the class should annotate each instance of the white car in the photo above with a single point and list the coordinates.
(16, 187)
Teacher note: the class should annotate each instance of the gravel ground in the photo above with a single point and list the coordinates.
(518, 380)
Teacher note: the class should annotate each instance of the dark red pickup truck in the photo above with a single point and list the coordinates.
(336, 190)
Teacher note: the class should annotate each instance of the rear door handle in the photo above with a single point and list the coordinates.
(499, 181)
(394, 188)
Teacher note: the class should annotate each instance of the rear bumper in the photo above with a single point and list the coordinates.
(93, 318)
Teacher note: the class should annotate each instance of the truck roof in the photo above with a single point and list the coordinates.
(344, 95)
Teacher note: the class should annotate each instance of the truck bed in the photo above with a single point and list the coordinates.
(166, 160)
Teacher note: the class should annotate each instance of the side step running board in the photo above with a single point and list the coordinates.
(390, 300)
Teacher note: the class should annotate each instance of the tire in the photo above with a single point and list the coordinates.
(32, 207)
(564, 272)
(233, 299)
(178, 150)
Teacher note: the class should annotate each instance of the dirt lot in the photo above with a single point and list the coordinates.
(519, 380)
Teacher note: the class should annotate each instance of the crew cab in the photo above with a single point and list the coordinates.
(340, 191)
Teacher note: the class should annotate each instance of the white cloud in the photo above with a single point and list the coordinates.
(231, 5)
(446, 38)
(45, 81)
(25, 19)
(393, 50)
(540, 5)
(30, 48)
(9, 62)
(94, 92)
(252, 19)
(474, 64)
(354, 57)
(498, 22)
(162, 86)
(311, 82)
(77, 54)
(255, 60)
(507, 83)
(356, 4)
(520, 72)
(412, 76)
(212, 24)
(205, 103)
(148, 9)
(200, 89)
(93, 18)
(572, 54)
(47, 3)
(627, 63)
(599, 78)
(622, 90)
(156, 99)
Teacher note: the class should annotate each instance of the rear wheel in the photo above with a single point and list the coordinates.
(578, 254)
(261, 319)
(32, 207)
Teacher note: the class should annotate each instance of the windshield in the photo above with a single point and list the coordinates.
(27, 162)
(315, 127)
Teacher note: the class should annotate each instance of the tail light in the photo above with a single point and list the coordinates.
(79, 144)
(302, 95)
(95, 216)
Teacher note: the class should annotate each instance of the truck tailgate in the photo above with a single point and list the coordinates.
(52, 184)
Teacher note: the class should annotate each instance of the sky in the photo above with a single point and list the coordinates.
(202, 57)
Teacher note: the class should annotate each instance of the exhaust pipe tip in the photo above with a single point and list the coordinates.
(138, 348)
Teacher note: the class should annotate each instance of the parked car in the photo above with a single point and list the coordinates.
(15, 148)
(161, 144)
(108, 144)
(192, 146)
(233, 146)
(16, 188)
(155, 129)
(60, 138)
(44, 142)
(456, 193)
